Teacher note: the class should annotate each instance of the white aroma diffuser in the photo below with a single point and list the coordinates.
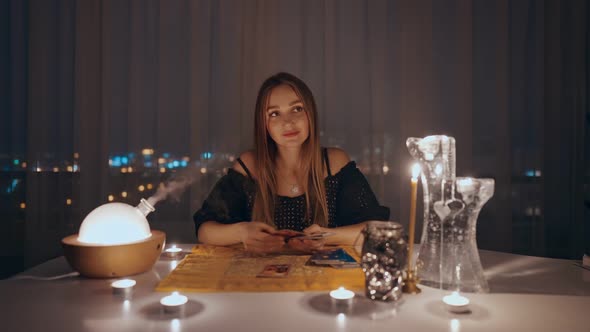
(114, 241)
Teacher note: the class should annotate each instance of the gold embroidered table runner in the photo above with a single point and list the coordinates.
(231, 269)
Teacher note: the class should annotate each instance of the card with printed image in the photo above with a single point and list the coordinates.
(275, 271)
(338, 258)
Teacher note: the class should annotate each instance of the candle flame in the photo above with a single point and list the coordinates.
(416, 170)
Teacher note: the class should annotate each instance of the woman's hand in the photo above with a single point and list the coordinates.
(315, 228)
(259, 237)
(308, 245)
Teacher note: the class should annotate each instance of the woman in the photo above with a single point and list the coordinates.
(288, 182)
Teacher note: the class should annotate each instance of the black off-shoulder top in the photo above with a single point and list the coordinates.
(349, 198)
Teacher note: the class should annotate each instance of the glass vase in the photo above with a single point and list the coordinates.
(466, 273)
(448, 256)
(436, 155)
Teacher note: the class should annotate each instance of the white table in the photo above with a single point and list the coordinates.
(527, 294)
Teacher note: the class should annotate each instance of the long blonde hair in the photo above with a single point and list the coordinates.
(265, 150)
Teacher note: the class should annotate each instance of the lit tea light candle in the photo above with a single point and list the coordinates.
(342, 297)
(456, 303)
(173, 251)
(173, 303)
(123, 287)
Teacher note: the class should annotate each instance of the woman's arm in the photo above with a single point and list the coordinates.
(344, 235)
(256, 236)
(212, 232)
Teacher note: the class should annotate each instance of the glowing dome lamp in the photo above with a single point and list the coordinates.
(114, 241)
(114, 223)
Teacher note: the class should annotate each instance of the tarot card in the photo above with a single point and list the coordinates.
(290, 234)
(333, 257)
(315, 236)
(275, 271)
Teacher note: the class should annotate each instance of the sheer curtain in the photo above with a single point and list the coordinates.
(106, 99)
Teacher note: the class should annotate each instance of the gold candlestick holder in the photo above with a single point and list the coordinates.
(411, 283)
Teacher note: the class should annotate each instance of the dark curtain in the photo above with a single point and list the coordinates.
(104, 99)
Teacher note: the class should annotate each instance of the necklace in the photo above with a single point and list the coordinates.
(295, 189)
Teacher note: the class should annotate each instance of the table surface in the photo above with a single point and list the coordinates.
(527, 294)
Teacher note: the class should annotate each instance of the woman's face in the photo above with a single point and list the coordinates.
(286, 119)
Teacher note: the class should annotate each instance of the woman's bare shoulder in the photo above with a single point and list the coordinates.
(338, 158)
(249, 160)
